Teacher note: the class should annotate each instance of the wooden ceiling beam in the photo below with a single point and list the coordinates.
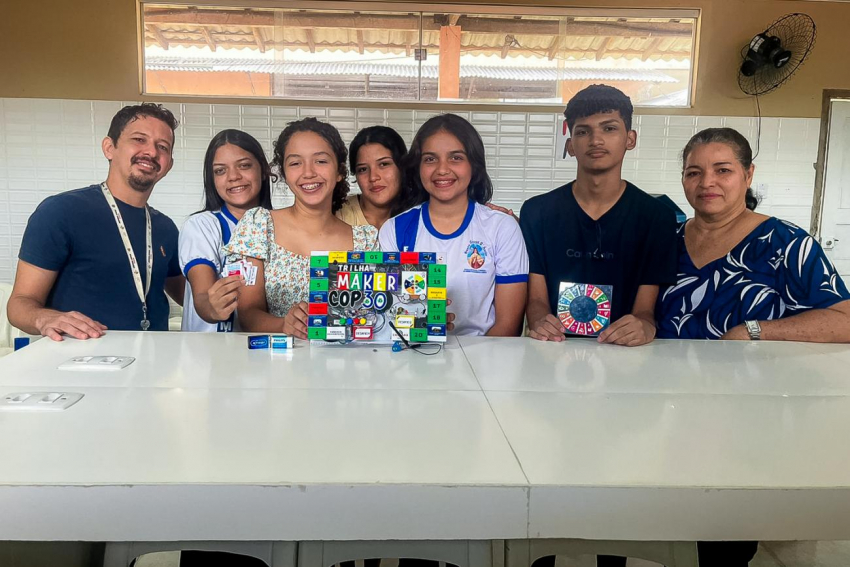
(258, 37)
(403, 46)
(650, 49)
(157, 34)
(600, 53)
(555, 46)
(360, 47)
(311, 41)
(506, 47)
(208, 38)
(404, 22)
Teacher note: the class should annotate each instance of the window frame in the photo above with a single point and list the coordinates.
(415, 8)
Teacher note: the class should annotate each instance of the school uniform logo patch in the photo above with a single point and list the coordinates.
(476, 255)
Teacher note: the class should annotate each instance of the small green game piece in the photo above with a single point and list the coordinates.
(419, 335)
(318, 261)
(435, 317)
(319, 333)
(437, 306)
(436, 280)
(374, 257)
(319, 284)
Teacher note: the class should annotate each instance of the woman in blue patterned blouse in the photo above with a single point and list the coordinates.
(743, 275)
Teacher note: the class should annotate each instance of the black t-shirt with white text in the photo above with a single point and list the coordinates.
(632, 244)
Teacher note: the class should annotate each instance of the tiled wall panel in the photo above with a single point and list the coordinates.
(49, 146)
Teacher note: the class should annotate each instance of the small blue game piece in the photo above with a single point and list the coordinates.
(397, 347)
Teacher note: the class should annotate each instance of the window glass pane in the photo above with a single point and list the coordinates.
(343, 54)
(281, 53)
(547, 59)
(347, 55)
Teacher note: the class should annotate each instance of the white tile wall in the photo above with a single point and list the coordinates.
(49, 146)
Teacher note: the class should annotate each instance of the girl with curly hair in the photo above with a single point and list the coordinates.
(311, 157)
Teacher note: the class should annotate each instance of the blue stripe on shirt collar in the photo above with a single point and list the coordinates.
(226, 212)
(426, 220)
(225, 230)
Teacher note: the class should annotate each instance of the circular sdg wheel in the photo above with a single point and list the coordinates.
(583, 309)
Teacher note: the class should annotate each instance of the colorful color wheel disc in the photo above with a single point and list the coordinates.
(584, 309)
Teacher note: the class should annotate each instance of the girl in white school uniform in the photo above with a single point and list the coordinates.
(237, 178)
(484, 250)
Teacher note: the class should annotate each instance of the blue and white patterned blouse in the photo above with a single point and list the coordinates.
(777, 271)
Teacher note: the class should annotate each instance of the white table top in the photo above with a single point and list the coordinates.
(213, 360)
(662, 367)
(492, 438)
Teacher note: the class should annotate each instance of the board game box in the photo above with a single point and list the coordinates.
(360, 296)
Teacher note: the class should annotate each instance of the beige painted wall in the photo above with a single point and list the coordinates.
(89, 50)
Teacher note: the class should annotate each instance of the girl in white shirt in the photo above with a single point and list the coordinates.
(483, 249)
(237, 178)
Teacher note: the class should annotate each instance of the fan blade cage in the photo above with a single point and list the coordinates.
(797, 33)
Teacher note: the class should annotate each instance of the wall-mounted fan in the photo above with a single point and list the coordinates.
(772, 56)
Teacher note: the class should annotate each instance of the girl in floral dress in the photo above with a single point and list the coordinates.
(311, 157)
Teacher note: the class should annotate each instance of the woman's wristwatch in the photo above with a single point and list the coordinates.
(754, 330)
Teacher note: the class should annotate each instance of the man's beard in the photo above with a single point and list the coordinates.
(141, 184)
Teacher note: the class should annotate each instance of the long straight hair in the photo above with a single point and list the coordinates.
(480, 187)
(212, 200)
(393, 142)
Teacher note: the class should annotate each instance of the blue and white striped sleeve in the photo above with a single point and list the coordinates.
(200, 243)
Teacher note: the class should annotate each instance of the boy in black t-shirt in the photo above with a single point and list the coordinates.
(599, 230)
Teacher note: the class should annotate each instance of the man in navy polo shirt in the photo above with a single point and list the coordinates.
(99, 257)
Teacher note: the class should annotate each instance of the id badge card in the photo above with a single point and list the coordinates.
(584, 309)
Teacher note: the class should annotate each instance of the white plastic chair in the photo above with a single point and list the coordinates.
(524, 552)
(463, 553)
(275, 554)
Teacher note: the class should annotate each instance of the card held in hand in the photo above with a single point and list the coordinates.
(584, 309)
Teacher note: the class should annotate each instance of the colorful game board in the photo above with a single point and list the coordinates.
(359, 296)
(584, 309)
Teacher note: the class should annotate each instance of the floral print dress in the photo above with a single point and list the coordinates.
(287, 274)
(777, 271)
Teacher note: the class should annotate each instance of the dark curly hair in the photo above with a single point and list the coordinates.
(480, 187)
(332, 137)
(392, 141)
(130, 113)
(733, 139)
(599, 98)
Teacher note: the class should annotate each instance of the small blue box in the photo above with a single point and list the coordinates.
(281, 342)
(258, 342)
